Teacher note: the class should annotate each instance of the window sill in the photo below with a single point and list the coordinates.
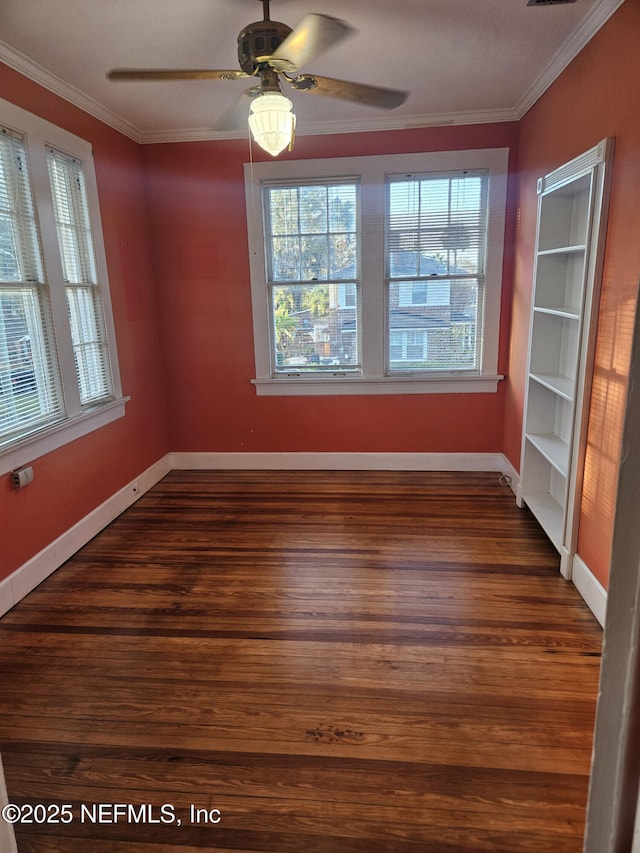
(51, 438)
(356, 385)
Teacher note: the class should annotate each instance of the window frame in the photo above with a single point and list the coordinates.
(337, 284)
(372, 172)
(76, 419)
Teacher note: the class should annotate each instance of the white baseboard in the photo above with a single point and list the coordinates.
(340, 461)
(40, 566)
(513, 478)
(35, 570)
(589, 588)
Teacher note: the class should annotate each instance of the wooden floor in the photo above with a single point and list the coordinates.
(334, 662)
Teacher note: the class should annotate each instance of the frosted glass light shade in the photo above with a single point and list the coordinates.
(272, 122)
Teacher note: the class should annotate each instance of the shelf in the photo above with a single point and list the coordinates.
(562, 250)
(564, 217)
(555, 343)
(549, 515)
(554, 450)
(560, 277)
(567, 312)
(568, 245)
(562, 385)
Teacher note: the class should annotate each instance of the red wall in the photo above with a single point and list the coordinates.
(182, 304)
(595, 97)
(200, 259)
(73, 480)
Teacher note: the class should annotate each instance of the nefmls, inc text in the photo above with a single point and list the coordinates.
(108, 813)
(127, 813)
(144, 813)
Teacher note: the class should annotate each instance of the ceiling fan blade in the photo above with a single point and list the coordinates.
(313, 35)
(359, 93)
(236, 117)
(174, 74)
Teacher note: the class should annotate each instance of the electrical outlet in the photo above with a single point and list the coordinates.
(22, 476)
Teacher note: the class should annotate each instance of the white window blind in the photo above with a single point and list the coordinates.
(59, 377)
(30, 394)
(80, 276)
(312, 267)
(412, 284)
(435, 259)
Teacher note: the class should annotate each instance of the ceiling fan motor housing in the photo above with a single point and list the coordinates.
(258, 41)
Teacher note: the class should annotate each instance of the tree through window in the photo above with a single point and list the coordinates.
(377, 274)
(312, 273)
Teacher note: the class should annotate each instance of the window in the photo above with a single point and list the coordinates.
(377, 274)
(312, 276)
(435, 257)
(58, 366)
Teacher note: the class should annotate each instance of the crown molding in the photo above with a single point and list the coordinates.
(598, 16)
(585, 32)
(19, 62)
(328, 128)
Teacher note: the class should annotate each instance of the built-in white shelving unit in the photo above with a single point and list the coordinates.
(572, 203)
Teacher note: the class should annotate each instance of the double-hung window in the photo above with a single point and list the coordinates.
(377, 275)
(435, 256)
(312, 280)
(58, 365)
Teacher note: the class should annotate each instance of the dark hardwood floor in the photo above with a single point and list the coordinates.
(336, 662)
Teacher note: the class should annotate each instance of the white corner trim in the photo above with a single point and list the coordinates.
(365, 125)
(40, 566)
(7, 600)
(598, 16)
(41, 75)
(510, 472)
(339, 461)
(589, 588)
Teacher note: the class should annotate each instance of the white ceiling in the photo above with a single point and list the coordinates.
(461, 60)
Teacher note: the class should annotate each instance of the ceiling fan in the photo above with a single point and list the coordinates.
(272, 52)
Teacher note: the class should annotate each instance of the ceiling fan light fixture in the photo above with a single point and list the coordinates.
(272, 122)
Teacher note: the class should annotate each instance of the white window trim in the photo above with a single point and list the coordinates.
(372, 171)
(78, 422)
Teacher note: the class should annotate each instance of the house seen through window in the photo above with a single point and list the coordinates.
(435, 246)
(379, 275)
(312, 262)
